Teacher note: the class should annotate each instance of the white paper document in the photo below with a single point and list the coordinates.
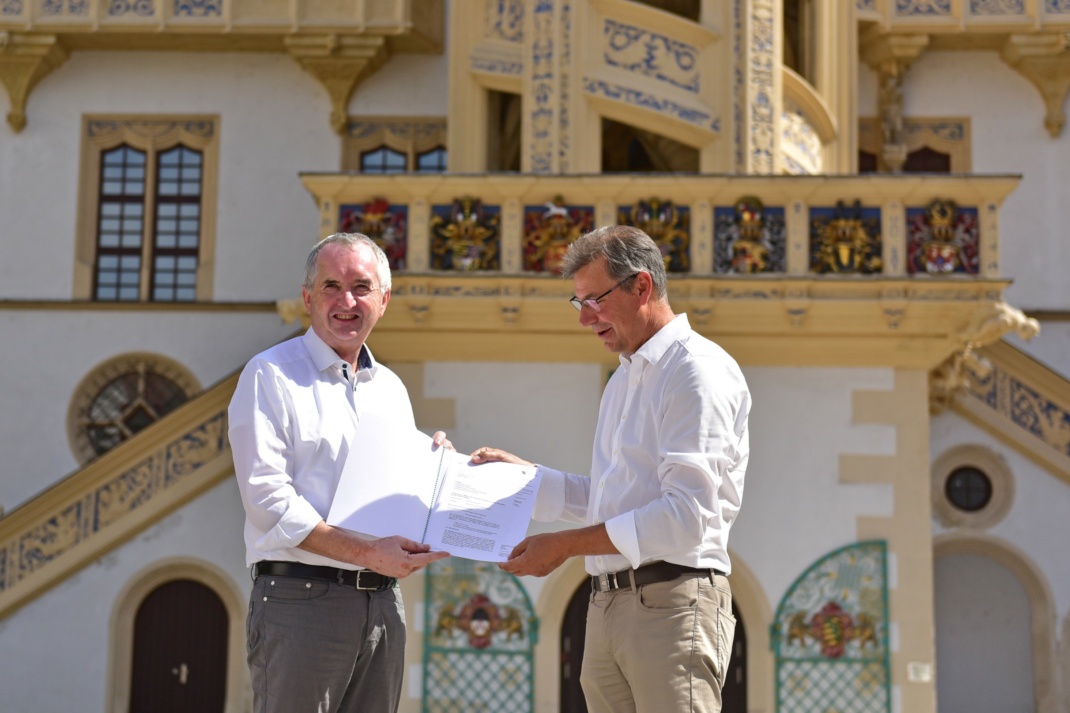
(393, 483)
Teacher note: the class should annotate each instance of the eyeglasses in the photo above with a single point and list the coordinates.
(595, 303)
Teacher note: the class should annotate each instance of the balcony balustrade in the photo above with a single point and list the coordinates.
(751, 259)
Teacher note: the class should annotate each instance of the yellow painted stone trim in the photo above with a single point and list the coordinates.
(1045, 61)
(24, 61)
(1048, 685)
(124, 614)
(115, 497)
(339, 63)
(908, 531)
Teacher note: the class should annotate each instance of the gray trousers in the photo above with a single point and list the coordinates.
(321, 647)
(663, 647)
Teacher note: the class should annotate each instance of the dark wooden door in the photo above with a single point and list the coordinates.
(180, 651)
(574, 626)
(734, 693)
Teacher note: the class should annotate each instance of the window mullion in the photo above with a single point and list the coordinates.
(148, 236)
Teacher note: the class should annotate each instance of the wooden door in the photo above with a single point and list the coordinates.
(180, 651)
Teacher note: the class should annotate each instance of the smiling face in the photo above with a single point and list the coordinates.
(345, 300)
(618, 322)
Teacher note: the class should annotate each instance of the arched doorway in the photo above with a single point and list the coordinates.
(180, 650)
(574, 626)
(984, 647)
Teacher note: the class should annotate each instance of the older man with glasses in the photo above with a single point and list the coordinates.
(670, 452)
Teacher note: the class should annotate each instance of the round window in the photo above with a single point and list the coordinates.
(968, 489)
(122, 397)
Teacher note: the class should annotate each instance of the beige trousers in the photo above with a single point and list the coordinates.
(663, 647)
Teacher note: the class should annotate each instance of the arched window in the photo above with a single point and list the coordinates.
(382, 160)
(123, 396)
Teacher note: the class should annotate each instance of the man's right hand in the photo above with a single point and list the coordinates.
(398, 556)
(493, 455)
(391, 556)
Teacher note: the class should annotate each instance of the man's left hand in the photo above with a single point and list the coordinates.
(537, 555)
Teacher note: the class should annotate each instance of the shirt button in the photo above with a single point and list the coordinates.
(602, 484)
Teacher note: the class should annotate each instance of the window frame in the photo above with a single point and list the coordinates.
(410, 136)
(154, 135)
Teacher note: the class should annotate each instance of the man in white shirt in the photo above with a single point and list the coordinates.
(326, 625)
(670, 452)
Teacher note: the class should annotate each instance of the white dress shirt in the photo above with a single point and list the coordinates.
(292, 420)
(670, 452)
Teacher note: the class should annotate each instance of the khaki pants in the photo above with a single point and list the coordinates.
(662, 648)
(322, 647)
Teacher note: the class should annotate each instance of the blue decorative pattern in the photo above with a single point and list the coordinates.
(74, 8)
(867, 5)
(141, 8)
(198, 8)
(634, 49)
(1023, 406)
(1057, 7)
(997, 7)
(661, 105)
(762, 104)
(507, 20)
(930, 8)
(496, 66)
(542, 87)
(10, 7)
(564, 135)
(76, 522)
(737, 82)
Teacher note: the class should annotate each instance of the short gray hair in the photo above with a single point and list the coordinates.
(352, 240)
(627, 250)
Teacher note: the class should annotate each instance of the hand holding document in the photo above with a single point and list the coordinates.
(394, 483)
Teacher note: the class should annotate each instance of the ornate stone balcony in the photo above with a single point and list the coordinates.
(880, 270)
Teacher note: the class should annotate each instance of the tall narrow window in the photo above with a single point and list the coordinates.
(178, 226)
(147, 209)
(120, 225)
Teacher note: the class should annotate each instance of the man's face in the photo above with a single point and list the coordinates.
(345, 301)
(617, 321)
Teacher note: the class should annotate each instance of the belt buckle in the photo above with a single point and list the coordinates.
(357, 585)
(607, 582)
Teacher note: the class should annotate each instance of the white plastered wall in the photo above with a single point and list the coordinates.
(54, 350)
(1039, 497)
(1006, 115)
(273, 124)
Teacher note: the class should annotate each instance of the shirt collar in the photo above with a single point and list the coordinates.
(323, 356)
(654, 348)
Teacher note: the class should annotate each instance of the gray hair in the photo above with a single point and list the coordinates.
(352, 240)
(626, 249)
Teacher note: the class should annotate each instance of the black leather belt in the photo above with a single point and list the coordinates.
(359, 578)
(647, 574)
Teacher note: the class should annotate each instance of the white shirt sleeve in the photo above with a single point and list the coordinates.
(261, 441)
(702, 442)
